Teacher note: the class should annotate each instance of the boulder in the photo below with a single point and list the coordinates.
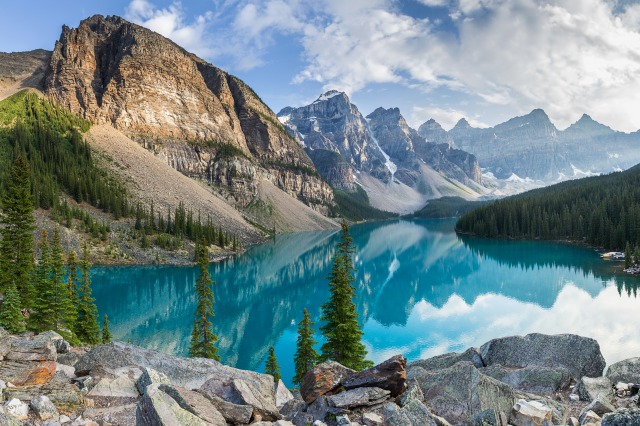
(587, 417)
(622, 417)
(17, 409)
(534, 379)
(581, 356)
(8, 420)
(372, 419)
(291, 408)
(413, 392)
(189, 373)
(118, 415)
(195, 403)
(458, 392)
(28, 373)
(263, 403)
(625, 371)
(530, 413)
(598, 407)
(414, 413)
(323, 379)
(590, 389)
(31, 350)
(343, 420)
(119, 391)
(319, 408)
(447, 360)
(359, 397)
(283, 395)
(150, 376)
(156, 408)
(44, 408)
(390, 375)
(233, 413)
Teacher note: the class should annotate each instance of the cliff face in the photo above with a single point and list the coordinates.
(204, 122)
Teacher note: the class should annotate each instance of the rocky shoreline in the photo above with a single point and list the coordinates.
(537, 380)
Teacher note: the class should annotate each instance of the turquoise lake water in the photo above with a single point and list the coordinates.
(421, 291)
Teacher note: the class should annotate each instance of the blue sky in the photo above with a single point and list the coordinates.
(486, 60)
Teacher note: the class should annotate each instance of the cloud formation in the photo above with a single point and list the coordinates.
(565, 56)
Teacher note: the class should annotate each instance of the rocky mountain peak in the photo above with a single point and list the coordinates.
(432, 131)
(333, 96)
(587, 126)
(462, 124)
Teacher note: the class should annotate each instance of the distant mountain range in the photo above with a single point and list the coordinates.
(396, 166)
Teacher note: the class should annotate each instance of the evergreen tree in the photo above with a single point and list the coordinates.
(272, 367)
(10, 316)
(306, 356)
(203, 338)
(106, 334)
(636, 255)
(72, 278)
(16, 247)
(38, 320)
(341, 329)
(627, 256)
(87, 327)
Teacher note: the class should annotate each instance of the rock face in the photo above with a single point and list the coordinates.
(391, 375)
(530, 146)
(322, 379)
(627, 371)
(579, 355)
(381, 153)
(19, 70)
(204, 122)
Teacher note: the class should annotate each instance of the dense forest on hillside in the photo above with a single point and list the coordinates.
(62, 170)
(447, 207)
(355, 206)
(602, 211)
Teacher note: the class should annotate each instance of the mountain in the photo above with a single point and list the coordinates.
(195, 118)
(396, 167)
(530, 149)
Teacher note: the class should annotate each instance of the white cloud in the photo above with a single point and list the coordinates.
(434, 3)
(171, 23)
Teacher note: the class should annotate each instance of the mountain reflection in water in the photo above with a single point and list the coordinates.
(421, 291)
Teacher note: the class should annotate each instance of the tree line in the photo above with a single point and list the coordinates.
(341, 330)
(602, 211)
(37, 296)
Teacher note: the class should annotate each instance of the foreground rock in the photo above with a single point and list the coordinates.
(121, 384)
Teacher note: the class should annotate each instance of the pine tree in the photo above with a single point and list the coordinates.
(271, 366)
(627, 256)
(39, 319)
(306, 356)
(341, 329)
(10, 316)
(106, 334)
(203, 338)
(87, 328)
(16, 247)
(72, 278)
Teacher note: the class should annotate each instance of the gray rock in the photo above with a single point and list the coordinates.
(67, 370)
(587, 417)
(530, 413)
(283, 395)
(414, 413)
(319, 408)
(233, 413)
(44, 408)
(622, 417)
(119, 391)
(291, 408)
(590, 389)
(31, 350)
(599, 407)
(359, 397)
(195, 403)
(625, 371)
(581, 356)
(17, 409)
(413, 392)
(534, 379)
(447, 360)
(66, 419)
(8, 420)
(156, 408)
(150, 376)
(459, 392)
(343, 420)
(69, 358)
(372, 419)
(118, 415)
(263, 403)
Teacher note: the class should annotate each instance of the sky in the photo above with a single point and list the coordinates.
(485, 60)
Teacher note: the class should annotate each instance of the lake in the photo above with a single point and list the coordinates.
(421, 291)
